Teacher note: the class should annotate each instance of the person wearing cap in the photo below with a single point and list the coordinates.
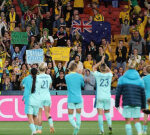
(124, 14)
(131, 87)
(146, 80)
(141, 25)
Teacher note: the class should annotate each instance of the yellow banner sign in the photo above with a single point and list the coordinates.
(61, 53)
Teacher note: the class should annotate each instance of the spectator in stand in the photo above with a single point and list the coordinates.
(59, 67)
(147, 38)
(144, 72)
(107, 50)
(3, 27)
(114, 78)
(141, 25)
(47, 21)
(68, 14)
(97, 16)
(17, 53)
(61, 36)
(34, 27)
(80, 53)
(125, 28)
(124, 14)
(24, 72)
(12, 19)
(46, 37)
(57, 12)
(121, 52)
(91, 49)
(50, 72)
(141, 65)
(89, 80)
(77, 38)
(137, 42)
(135, 58)
(24, 8)
(32, 41)
(100, 54)
(60, 82)
(7, 84)
(88, 63)
(79, 64)
(120, 72)
(79, 5)
(15, 82)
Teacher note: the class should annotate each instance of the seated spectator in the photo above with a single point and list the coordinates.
(91, 49)
(59, 67)
(135, 57)
(97, 16)
(115, 77)
(79, 64)
(88, 63)
(60, 83)
(100, 54)
(121, 52)
(77, 39)
(7, 84)
(17, 53)
(137, 42)
(61, 36)
(89, 80)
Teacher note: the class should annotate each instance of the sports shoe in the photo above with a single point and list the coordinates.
(110, 130)
(76, 130)
(52, 130)
(39, 131)
(101, 133)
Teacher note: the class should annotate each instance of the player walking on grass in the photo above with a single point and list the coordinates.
(43, 84)
(74, 83)
(103, 94)
(31, 99)
(147, 93)
(131, 87)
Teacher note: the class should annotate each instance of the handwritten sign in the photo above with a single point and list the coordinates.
(34, 56)
(61, 53)
(19, 38)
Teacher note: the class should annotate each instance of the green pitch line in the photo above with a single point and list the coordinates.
(62, 128)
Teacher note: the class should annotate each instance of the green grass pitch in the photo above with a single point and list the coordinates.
(63, 128)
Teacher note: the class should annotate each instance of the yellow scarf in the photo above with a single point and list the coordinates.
(12, 19)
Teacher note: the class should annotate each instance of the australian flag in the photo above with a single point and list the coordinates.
(81, 27)
(92, 30)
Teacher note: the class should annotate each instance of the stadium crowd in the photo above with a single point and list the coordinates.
(48, 23)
